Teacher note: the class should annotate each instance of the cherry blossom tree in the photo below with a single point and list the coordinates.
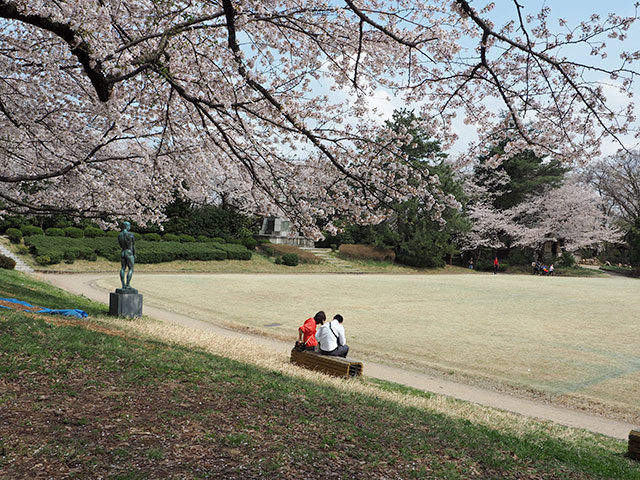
(112, 106)
(570, 214)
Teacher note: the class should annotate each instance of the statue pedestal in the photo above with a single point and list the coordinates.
(125, 302)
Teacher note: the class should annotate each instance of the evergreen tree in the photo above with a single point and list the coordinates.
(417, 238)
(526, 175)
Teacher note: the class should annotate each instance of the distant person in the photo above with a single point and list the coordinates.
(307, 332)
(471, 264)
(496, 264)
(551, 269)
(332, 338)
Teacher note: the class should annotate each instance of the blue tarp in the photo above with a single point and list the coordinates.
(69, 312)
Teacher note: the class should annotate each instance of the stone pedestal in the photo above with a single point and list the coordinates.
(125, 303)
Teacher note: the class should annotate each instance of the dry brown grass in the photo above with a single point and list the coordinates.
(247, 351)
(572, 339)
(366, 252)
(276, 249)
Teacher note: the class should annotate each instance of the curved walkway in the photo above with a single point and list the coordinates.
(84, 284)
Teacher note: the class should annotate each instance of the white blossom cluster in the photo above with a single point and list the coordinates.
(114, 106)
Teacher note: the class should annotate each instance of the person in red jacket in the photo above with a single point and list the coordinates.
(496, 264)
(307, 332)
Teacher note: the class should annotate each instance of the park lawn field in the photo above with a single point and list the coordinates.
(112, 398)
(572, 340)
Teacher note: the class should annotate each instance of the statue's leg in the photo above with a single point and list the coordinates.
(122, 272)
(130, 273)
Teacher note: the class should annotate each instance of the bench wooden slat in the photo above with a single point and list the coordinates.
(337, 366)
(634, 444)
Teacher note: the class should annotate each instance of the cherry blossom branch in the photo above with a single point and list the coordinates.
(80, 48)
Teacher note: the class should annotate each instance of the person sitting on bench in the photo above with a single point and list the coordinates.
(332, 338)
(307, 332)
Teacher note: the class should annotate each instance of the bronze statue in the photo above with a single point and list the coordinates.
(127, 242)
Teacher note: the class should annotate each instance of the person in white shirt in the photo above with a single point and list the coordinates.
(332, 338)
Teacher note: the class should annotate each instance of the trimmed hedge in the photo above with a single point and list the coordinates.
(93, 232)
(152, 237)
(57, 248)
(186, 238)
(14, 235)
(235, 252)
(170, 237)
(28, 230)
(54, 232)
(74, 232)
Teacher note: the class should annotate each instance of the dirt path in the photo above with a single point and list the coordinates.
(84, 284)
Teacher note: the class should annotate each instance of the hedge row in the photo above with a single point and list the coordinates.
(54, 249)
(15, 235)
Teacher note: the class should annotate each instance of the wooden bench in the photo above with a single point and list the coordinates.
(634, 444)
(337, 366)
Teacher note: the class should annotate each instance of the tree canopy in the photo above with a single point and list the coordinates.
(111, 106)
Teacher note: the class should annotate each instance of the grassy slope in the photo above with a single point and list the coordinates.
(88, 399)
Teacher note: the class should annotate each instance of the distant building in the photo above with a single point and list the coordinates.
(278, 230)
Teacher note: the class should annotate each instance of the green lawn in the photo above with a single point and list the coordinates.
(573, 339)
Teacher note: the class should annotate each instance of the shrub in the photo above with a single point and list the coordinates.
(218, 240)
(366, 252)
(23, 249)
(54, 232)
(111, 233)
(278, 260)
(43, 260)
(250, 243)
(290, 259)
(14, 235)
(69, 256)
(28, 230)
(136, 235)
(567, 260)
(74, 232)
(235, 241)
(184, 238)
(170, 237)
(7, 263)
(236, 252)
(202, 238)
(55, 256)
(93, 232)
(152, 237)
